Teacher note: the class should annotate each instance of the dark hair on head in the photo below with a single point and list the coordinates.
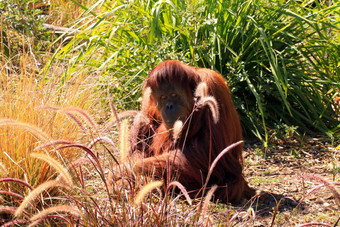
(172, 71)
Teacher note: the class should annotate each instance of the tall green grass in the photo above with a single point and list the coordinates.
(281, 59)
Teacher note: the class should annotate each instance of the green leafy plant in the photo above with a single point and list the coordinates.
(280, 59)
(21, 24)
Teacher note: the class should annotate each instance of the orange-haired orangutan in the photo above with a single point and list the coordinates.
(187, 119)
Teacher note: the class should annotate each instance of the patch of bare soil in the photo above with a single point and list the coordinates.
(286, 177)
(291, 171)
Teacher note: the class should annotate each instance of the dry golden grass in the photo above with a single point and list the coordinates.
(62, 12)
(3, 170)
(22, 95)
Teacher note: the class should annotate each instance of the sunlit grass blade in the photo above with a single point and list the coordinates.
(28, 127)
(36, 192)
(55, 164)
(146, 189)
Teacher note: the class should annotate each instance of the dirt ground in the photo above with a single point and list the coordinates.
(290, 170)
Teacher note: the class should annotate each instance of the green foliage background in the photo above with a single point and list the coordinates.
(280, 59)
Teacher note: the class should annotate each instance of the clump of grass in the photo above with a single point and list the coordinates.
(23, 126)
(62, 13)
